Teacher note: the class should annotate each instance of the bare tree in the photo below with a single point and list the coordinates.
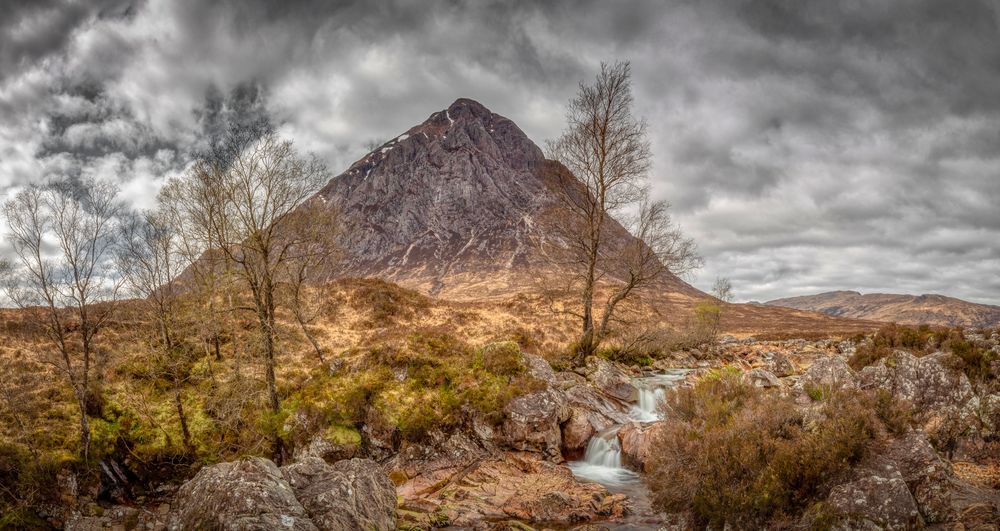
(254, 192)
(312, 223)
(608, 157)
(150, 260)
(62, 236)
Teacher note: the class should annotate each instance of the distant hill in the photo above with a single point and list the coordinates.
(903, 309)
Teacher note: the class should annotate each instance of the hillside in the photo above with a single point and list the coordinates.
(903, 309)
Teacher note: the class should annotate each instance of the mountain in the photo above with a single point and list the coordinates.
(459, 206)
(903, 309)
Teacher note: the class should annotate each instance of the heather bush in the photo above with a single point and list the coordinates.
(732, 454)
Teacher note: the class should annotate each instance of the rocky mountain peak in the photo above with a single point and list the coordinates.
(455, 206)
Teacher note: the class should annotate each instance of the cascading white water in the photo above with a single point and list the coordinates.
(602, 461)
(649, 402)
(604, 450)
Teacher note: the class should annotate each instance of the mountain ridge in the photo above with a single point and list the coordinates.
(928, 308)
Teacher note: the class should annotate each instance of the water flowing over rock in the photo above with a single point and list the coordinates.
(253, 493)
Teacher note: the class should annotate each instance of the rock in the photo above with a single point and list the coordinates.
(512, 485)
(253, 493)
(778, 364)
(246, 494)
(989, 414)
(609, 379)
(590, 413)
(636, 440)
(325, 449)
(422, 467)
(761, 378)
(827, 375)
(349, 494)
(539, 368)
(877, 500)
(942, 397)
(533, 422)
(940, 495)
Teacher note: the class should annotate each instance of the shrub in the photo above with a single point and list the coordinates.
(731, 454)
(504, 359)
(386, 301)
(972, 359)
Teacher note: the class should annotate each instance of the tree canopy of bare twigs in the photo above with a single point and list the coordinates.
(608, 156)
(150, 260)
(249, 209)
(63, 237)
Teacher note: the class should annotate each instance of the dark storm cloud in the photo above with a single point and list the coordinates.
(806, 145)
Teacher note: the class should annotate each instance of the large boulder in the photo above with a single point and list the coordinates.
(349, 494)
(942, 397)
(877, 499)
(253, 493)
(636, 441)
(939, 493)
(247, 494)
(609, 379)
(778, 364)
(826, 375)
(533, 422)
(761, 378)
(590, 412)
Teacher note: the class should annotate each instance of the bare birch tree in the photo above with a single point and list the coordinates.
(150, 261)
(62, 236)
(608, 156)
(254, 192)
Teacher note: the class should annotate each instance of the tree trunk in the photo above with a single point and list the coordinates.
(185, 432)
(81, 398)
(268, 323)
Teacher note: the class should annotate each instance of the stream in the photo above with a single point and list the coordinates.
(602, 462)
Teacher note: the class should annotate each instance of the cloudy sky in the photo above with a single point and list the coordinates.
(806, 145)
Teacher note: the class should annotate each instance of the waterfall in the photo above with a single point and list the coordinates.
(604, 450)
(649, 403)
(602, 461)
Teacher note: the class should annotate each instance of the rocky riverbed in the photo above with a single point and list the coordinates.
(573, 452)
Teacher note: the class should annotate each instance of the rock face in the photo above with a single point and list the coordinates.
(253, 493)
(533, 422)
(457, 206)
(827, 375)
(940, 494)
(761, 378)
(636, 441)
(349, 494)
(497, 487)
(878, 500)
(610, 379)
(942, 397)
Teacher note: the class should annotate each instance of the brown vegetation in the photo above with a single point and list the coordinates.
(731, 454)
